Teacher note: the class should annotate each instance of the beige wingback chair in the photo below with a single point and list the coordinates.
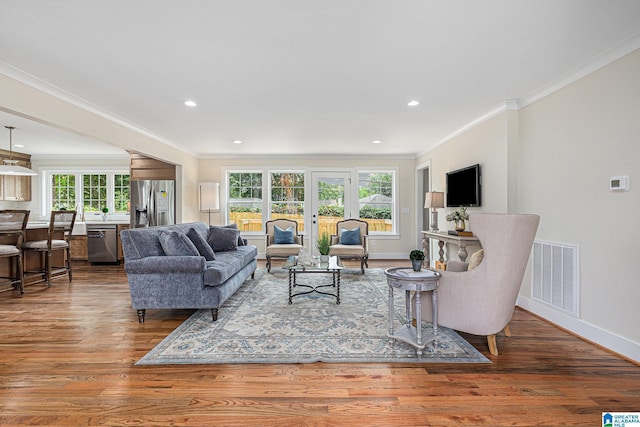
(352, 251)
(481, 301)
(281, 250)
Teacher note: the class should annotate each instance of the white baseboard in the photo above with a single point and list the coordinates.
(588, 331)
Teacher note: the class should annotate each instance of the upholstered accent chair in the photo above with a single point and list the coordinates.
(58, 236)
(12, 228)
(351, 241)
(282, 239)
(480, 301)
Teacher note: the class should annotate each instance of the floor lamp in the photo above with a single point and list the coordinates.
(434, 200)
(209, 197)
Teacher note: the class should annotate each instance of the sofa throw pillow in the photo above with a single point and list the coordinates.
(241, 241)
(201, 245)
(350, 237)
(476, 259)
(177, 244)
(223, 239)
(283, 237)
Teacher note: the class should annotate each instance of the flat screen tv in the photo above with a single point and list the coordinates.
(464, 187)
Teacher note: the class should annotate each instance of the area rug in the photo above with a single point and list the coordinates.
(258, 325)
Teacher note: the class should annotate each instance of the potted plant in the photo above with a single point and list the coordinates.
(324, 245)
(417, 257)
(459, 216)
(105, 210)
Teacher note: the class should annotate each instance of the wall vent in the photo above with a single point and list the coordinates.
(554, 275)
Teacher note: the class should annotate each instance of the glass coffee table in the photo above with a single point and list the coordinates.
(332, 267)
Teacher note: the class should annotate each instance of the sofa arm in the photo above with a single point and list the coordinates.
(169, 264)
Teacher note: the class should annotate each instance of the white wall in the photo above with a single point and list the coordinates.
(572, 141)
(566, 147)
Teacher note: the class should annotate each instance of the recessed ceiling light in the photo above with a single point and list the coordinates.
(190, 103)
(237, 141)
(377, 141)
(413, 103)
(18, 145)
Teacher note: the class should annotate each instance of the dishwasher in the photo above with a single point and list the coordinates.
(102, 243)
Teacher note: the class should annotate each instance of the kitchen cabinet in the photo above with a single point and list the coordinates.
(79, 248)
(120, 228)
(15, 188)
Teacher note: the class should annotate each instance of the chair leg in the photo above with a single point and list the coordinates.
(68, 264)
(20, 271)
(48, 268)
(268, 264)
(507, 331)
(362, 261)
(493, 346)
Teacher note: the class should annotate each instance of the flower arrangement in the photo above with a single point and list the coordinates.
(458, 215)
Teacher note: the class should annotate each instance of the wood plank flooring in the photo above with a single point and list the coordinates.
(67, 359)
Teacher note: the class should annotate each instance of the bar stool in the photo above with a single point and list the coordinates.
(12, 227)
(60, 225)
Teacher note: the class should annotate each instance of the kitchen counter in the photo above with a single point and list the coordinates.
(79, 227)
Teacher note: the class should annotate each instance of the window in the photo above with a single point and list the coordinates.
(121, 192)
(63, 190)
(245, 200)
(94, 191)
(91, 190)
(256, 196)
(287, 197)
(375, 200)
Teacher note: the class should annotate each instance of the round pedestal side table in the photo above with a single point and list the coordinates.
(405, 279)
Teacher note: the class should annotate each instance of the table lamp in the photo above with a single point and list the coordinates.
(434, 200)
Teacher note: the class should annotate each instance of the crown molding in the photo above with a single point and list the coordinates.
(49, 89)
(600, 61)
(481, 119)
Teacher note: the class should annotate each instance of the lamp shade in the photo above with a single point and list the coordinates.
(434, 199)
(209, 196)
(10, 166)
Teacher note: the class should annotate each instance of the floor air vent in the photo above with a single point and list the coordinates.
(555, 275)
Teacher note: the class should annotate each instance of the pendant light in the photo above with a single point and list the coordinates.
(10, 166)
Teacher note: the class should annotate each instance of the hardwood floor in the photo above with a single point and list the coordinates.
(67, 359)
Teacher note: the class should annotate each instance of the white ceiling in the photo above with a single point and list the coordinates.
(300, 76)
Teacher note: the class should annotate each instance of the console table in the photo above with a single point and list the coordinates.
(443, 237)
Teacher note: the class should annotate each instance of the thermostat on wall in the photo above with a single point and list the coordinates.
(619, 183)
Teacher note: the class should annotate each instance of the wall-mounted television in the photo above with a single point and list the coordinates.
(464, 187)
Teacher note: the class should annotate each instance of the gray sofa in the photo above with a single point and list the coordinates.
(176, 280)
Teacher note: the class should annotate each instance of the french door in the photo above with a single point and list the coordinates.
(331, 202)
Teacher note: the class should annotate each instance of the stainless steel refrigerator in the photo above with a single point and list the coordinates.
(153, 202)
